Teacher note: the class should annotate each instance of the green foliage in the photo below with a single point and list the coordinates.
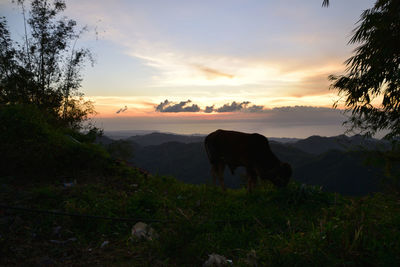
(389, 162)
(373, 72)
(34, 149)
(26, 138)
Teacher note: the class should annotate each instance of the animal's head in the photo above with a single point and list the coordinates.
(280, 176)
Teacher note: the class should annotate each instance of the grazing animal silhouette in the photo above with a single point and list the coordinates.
(249, 150)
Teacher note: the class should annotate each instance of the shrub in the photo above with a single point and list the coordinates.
(33, 148)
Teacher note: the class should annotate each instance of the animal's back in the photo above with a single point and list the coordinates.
(235, 147)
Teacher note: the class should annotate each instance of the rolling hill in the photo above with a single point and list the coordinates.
(338, 164)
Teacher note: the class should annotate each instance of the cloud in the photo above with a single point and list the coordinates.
(255, 108)
(232, 107)
(168, 106)
(243, 107)
(122, 110)
(178, 68)
(291, 116)
(209, 109)
(314, 84)
(212, 74)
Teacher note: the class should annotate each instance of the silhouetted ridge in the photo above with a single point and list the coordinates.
(160, 138)
(318, 144)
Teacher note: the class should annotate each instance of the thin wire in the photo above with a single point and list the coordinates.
(60, 213)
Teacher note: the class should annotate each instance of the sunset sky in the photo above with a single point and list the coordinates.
(193, 66)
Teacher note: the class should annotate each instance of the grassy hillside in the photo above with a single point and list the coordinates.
(299, 225)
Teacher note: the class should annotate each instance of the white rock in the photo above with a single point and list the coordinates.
(143, 231)
(105, 243)
(217, 260)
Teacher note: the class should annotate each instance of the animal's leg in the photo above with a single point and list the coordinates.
(251, 179)
(249, 184)
(214, 173)
(221, 168)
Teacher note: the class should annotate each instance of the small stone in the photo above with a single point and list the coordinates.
(143, 231)
(217, 260)
(105, 243)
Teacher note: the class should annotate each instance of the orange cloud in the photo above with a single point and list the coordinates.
(212, 74)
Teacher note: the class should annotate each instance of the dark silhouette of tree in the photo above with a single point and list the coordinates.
(45, 69)
(373, 72)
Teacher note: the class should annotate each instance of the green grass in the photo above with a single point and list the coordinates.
(296, 226)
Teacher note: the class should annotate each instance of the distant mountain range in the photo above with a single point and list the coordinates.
(145, 137)
(338, 163)
(123, 134)
(161, 138)
(319, 144)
